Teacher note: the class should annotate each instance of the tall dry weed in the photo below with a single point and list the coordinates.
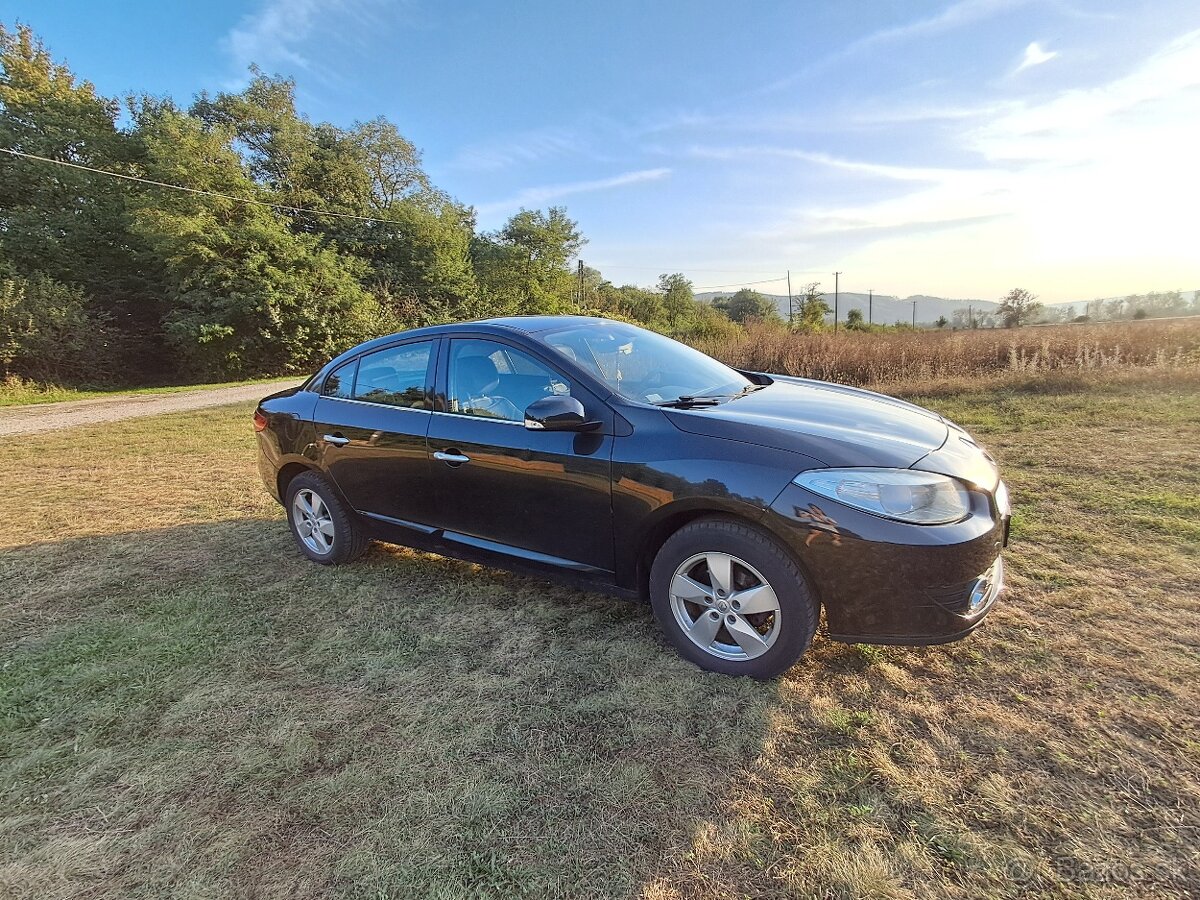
(868, 358)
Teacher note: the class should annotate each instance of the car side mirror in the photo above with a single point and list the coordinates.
(557, 413)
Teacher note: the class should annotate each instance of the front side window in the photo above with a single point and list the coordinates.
(495, 381)
(397, 376)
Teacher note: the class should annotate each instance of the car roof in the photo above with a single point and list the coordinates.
(495, 326)
(535, 324)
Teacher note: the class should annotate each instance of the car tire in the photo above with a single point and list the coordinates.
(726, 599)
(325, 530)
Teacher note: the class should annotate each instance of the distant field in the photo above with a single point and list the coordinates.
(188, 708)
(932, 357)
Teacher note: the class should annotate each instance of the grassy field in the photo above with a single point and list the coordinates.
(189, 709)
(19, 392)
(905, 359)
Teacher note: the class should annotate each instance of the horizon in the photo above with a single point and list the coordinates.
(956, 151)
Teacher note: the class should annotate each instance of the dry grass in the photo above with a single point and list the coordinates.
(189, 709)
(925, 356)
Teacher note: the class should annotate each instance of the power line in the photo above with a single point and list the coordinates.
(738, 284)
(603, 266)
(180, 187)
(314, 212)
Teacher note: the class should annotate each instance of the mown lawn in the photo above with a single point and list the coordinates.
(189, 709)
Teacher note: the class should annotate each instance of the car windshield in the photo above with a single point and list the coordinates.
(641, 365)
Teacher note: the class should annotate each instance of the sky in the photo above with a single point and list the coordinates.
(956, 149)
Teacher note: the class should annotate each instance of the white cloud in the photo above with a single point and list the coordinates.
(1078, 125)
(1088, 193)
(531, 146)
(270, 36)
(956, 15)
(536, 196)
(1035, 55)
(859, 167)
(275, 36)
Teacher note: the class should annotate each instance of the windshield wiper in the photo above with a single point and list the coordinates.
(748, 389)
(687, 402)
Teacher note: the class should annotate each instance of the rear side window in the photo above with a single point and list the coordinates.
(397, 376)
(340, 382)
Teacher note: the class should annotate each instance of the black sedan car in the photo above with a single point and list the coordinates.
(739, 504)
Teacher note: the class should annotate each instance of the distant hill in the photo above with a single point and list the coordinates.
(885, 309)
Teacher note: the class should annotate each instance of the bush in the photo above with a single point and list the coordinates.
(47, 333)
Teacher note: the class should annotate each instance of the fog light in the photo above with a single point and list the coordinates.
(989, 584)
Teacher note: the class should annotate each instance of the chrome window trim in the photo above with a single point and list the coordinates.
(433, 340)
(438, 412)
(373, 403)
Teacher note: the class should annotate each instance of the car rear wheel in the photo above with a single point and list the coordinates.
(732, 600)
(324, 529)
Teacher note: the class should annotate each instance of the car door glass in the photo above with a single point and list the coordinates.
(340, 382)
(495, 381)
(397, 376)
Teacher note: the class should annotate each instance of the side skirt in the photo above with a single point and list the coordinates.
(491, 553)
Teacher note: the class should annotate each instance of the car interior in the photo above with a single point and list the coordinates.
(498, 383)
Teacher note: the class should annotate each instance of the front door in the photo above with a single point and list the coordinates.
(371, 421)
(540, 495)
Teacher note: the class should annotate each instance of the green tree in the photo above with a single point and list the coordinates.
(941, 322)
(855, 321)
(1018, 307)
(248, 296)
(678, 299)
(811, 308)
(418, 255)
(525, 266)
(48, 333)
(637, 304)
(68, 224)
(708, 322)
(748, 304)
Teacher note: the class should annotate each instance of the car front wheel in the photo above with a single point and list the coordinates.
(324, 529)
(732, 600)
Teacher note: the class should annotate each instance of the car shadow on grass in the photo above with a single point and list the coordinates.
(199, 706)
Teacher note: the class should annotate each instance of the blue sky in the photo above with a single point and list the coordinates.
(949, 148)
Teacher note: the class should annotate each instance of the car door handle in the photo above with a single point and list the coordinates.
(337, 440)
(451, 457)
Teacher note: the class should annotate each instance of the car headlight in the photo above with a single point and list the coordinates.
(906, 495)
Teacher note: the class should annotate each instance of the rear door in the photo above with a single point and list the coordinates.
(540, 495)
(372, 420)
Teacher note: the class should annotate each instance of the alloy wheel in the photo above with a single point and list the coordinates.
(314, 522)
(724, 606)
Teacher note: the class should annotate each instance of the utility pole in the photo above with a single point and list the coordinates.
(971, 316)
(914, 315)
(791, 314)
(581, 284)
(835, 301)
(870, 305)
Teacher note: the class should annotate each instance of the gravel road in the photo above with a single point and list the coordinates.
(16, 420)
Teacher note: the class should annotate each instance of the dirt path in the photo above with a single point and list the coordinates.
(51, 416)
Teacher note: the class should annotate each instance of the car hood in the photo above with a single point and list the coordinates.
(832, 423)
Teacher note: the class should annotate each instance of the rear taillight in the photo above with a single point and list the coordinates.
(260, 421)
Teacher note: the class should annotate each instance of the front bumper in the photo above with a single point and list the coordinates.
(888, 582)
